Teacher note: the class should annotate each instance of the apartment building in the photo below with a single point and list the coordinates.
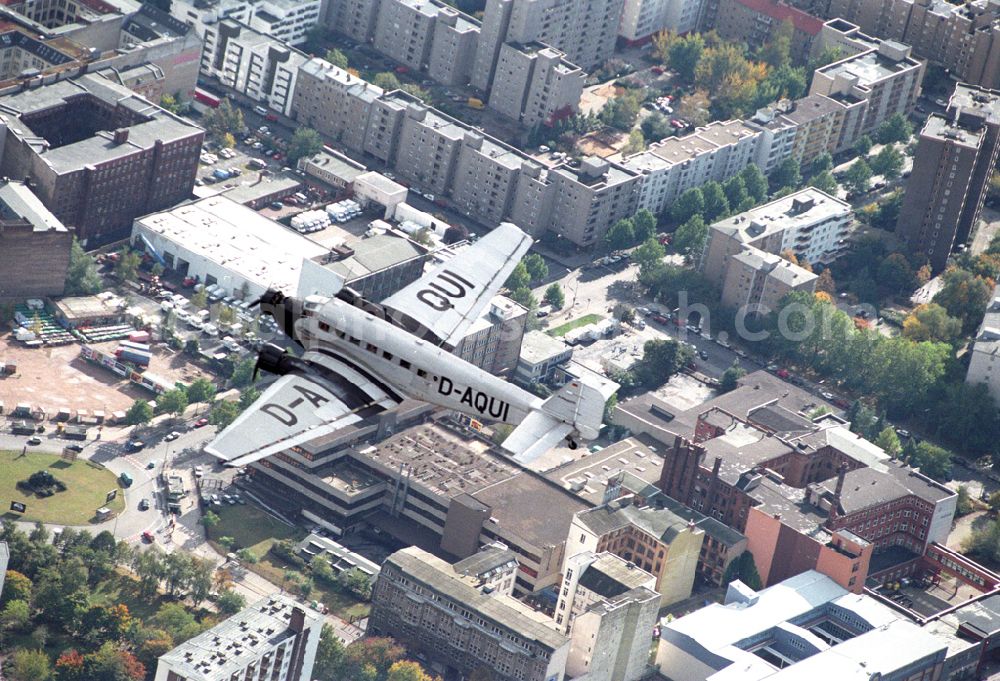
(331, 101)
(777, 134)
(353, 18)
(540, 355)
(584, 30)
(533, 82)
(804, 627)
(642, 19)
(955, 156)
(607, 605)
(435, 609)
(486, 178)
(404, 31)
(493, 342)
(253, 63)
(286, 21)
(79, 141)
(885, 78)
(671, 166)
(672, 542)
(754, 22)
(961, 37)
(428, 149)
(756, 281)
(812, 224)
(590, 196)
(986, 350)
(275, 638)
(34, 247)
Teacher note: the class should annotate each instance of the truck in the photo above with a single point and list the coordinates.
(136, 357)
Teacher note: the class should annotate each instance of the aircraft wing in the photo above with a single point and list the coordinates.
(446, 300)
(534, 436)
(300, 407)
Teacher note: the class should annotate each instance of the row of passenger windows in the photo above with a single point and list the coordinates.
(323, 326)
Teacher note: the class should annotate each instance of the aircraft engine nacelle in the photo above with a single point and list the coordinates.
(274, 360)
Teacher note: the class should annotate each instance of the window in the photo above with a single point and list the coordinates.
(387, 355)
(421, 373)
(403, 363)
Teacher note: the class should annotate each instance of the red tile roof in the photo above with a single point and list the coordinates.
(803, 21)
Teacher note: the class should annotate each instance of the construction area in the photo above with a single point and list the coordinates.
(57, 377)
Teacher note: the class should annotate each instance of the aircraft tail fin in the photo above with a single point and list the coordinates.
(577, 407)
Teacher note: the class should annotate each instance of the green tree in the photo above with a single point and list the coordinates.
(387, 81)
(622, 111)
(964, 296)
(887, 162)
(169, 102)
(690, 237)
(661, 359)
(931, 322)
(16, 587)
(173, 402)
(524, 297)
(895, 129)
(537, 269)
(248, 397)
(28, 665)
(210, 519)
(305, 142)
(418, 92)
(243, 373)
(405, 670)
(246, 556)
(684, 54)
(554, 296)
(933, 461)
(825, 182)
(519, 277)
(223, 119)
(889, 442)
(786, 174)
(895, 274)
(687, 205)
(229, 602)
(643, 225)
(821, 163)
(139, 414)
(356, 582)
(964, 505)
(649, 254)
(736, 192)
(656, 127)
(81, 275)
(716, 203)
(127, 267)
(636, 143)
(223, 413)
(330, 658)
(744, 569)
(199, 300)
(754, 182)
(968, 406)
(337, 58)
(201, 390)
(175, 619)
(858, 177)
(15, 616)
(731, 377)
(863, 145)
(621, 235)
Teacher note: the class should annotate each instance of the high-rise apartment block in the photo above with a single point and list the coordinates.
(275, 638)
(534, 81)
(961, 37)
(584, 30)
(642, 19)
(80, 141)
(607, 605)
(253, 63)
(457, 617)
(589, 197)
(955, 157)
(812, 224)
(286, 21)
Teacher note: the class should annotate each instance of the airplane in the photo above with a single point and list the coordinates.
(361, 358)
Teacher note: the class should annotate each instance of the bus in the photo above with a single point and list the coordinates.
(206, 98)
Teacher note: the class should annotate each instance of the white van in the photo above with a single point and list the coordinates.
(260, 111)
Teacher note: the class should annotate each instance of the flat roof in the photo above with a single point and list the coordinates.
(231, 645)
(796, 210)
(376, 253)
(236, 238)
(941, 128)
(538, 346)
(248, 189)
(17, 201)
(609, 576)
(506, 612)
(869, 67)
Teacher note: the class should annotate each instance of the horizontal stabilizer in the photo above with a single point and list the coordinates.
(536, 434)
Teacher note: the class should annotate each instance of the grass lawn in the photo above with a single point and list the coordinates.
(575, 324)
(87, 486)
(252, 528)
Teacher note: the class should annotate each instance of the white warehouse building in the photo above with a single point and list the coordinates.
(223, 242)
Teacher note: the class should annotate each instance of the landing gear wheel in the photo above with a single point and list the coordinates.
(571, 443)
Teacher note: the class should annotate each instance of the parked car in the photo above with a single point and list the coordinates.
(34, 441)
(148, 537)
(134, 445)
(200, 423)
(144, 505)
(172, 436)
